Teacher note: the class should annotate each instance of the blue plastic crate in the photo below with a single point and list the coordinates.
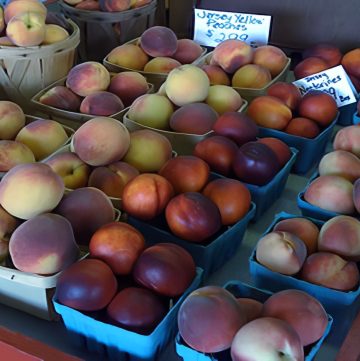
(274, 281)
(310, 150)
(356, 119)
(210, 256)
(239, 289)
(115, 343)
(346, 114)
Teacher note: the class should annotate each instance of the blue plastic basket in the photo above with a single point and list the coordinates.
(310, 150)
(356, 118)
(239, 289)
(346, 114)
(265, 278)
(115, 343)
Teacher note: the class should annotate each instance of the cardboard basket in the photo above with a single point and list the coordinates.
(310, 150)
(332, 299)
(182, 143)
(115, 343)
(102, 31)
(239, 289)
(248, 93)
(26, 70)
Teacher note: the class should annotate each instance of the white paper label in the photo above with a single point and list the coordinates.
(333, 81)
(212, 27)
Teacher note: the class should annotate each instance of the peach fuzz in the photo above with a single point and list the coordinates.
(14, 153)
(101, 141)
(341, 163)
(87, 78)
(223, 98)
(43, 137)
(216, 75)
(303, 312)
(327, 52)
(61, 97)
(270, 57)
(332, 193)
(44, 245)
(12, 119)
(309, 66)
(269, 112)
(302, 127)
(54, 33)
(351, 62)
(251, 76)
(281, 252)
(280, 148)
(114, 5)
(112, 178)
(341, 235)
(187, 51)
(128, 86)
(161, 64)
(72, 170)
(14, 8)
(129, 56)
(287, 92)
(303, 228)
(101, 103)
(24, 199)
(330, 270)
(230, 55)
(348, 138)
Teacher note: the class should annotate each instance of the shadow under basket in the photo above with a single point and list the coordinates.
(102, 31)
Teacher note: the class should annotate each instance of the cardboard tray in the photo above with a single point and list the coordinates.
(211, 255)
(249, 93)
(182, 143)
(239, 289)
(115, 343)
(310, 150)
(331, 299)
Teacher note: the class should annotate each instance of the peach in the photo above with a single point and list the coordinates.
(112, 178)
(187, 84)
(101, 141)
(341, 163)
(269, 112)
(43, 137)
(12, 119)
(114, 5)
(146, 195)
(330, 270)
(54, 33)
(252, 308)
(351, 62)
(101, 103)
(5, 41)
(327, 52)
(251, 76)
(230, 55)
(13, 153)
(218, 152)
(356, 195)
(26, 199)
(148, 150)
(280, 148)
(303, 312)
(223, 98)
(138, 3)
(209, 318)
(87, 78)
(318, 106)
(129, 56)
(14, 8)
(237, 126)
(73, 2)
(187, 51)
(161, 64)
(341, 235)
(128, 86)
(287, 92)
(216, 74)
(348, 138)
(26, 29)
(87, 209)
(73, 171)
(8, 224)
(151, 110)
(61, 97)
(356, 82)
(44, 245)
(158, 41)
(182, 120)
(271, 58)
(302, 127)
(2, 20)
(332, 193)
(302, 228)
(281, 252)
(186, 173)
(310, 66)
(88, 5)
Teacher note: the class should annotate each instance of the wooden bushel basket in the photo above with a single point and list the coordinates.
(98, 29)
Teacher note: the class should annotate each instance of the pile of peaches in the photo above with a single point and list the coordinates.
(107, 5)
(27, 23)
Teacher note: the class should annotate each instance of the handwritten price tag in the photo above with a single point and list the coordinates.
(333, 81)
(212, 27)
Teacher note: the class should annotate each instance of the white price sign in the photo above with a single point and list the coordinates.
(333, 81)
(212, 27)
